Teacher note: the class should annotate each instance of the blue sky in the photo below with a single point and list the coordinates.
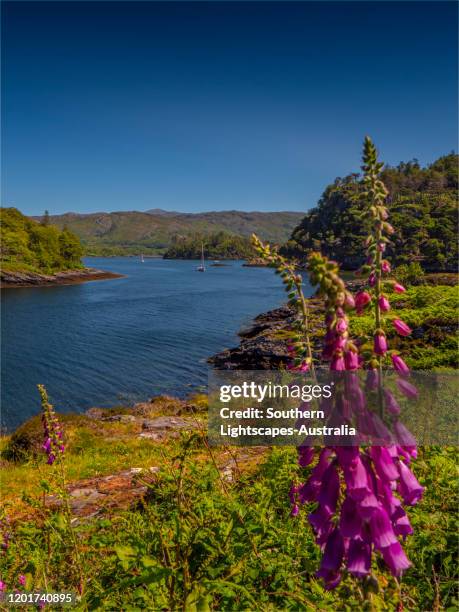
(215, 106)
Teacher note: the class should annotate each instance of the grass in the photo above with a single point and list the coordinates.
(200, 542)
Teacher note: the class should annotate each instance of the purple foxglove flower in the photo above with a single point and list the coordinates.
(409, 487)
(2, 586)
(292, 493)
(404, 437)
(340, 343)
(305, 455)
(395, 558)
(351, 360)
(47, 445)
(320, 519)
(359, 558)
(372, 279)
(407, 388)
(372, 380)
(385, 267)
(391, 403)
(399, 288)
(350, 522)
(356, 479)
(349, 301)
(331, 579)
(401, 327)
(381, 529)
(347, 455)
(383, 462)
(368, 506)
(341, 325)
(329, 490)
(362, 298)
(383, 302)
(295, 510)
(337, 362)
(51, 458)
(309, 491)
(400, 365)
(333, 553)
(381, 247)
(402, 526)
(380, 344)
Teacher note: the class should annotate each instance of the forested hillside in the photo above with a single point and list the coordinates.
(153, 232)
(36, 247)
(216, 246)
(423, 208)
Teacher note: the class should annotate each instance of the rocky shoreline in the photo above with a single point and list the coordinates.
(12, 279)
(263, 345)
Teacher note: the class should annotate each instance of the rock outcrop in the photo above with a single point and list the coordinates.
(67, 277)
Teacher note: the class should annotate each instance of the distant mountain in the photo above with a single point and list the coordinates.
(154, 231)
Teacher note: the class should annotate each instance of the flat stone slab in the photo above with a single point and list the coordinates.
(166, 423)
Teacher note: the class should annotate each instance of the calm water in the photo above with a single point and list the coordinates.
(125, 340)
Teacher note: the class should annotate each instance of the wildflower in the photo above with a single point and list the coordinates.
(337, 363)
(385, 266)
(359, 558)
(399, 288)
(22, 580)
(400, 365)
(380, 344)
(407, 388)
(351, 359)
(53, 444)
(349, 301)
(383, 303)
(401, 327)
(395, 558)
(2, 586)
(372, 380)
(409, 487)
(362, 298)
(391, 403)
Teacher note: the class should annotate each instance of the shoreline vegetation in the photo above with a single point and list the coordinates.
(10, 279)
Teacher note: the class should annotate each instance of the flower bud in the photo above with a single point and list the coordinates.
(379, 344)
(401, 327)
(383, 303)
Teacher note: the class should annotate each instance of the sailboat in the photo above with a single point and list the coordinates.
(202, 267)
(142, 259)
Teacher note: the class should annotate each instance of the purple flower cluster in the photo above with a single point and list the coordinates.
(53, 444)
(358, 511)
(358, 492)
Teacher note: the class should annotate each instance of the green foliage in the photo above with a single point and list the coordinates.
(432, 313)
(410, 274)
(152, 233)
(422, 205)
(31, 246)
(216, 246)
(199, 542)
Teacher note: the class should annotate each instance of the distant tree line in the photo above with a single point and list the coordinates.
(40, 247)
(423, 208)
(220, 245)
